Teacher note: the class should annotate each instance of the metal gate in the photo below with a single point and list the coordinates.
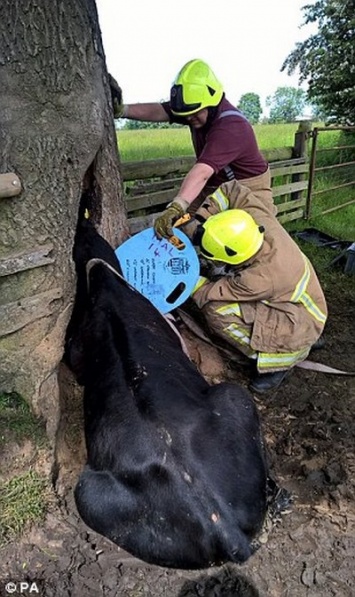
(345, 171)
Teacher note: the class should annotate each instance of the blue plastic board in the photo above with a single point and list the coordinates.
(163, 273)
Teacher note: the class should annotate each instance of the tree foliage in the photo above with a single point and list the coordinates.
(143, 124)
(133, 125)
(286, 104)
(327, 59)
(250, 105)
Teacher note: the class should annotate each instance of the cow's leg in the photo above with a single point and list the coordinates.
(101, 501)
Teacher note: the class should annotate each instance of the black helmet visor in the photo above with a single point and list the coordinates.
(177, 103)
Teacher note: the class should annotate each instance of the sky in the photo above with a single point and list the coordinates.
(146, 42)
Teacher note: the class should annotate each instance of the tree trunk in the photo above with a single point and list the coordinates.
(57, 134)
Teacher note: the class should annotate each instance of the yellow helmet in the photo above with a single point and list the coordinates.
(231, 236)
(195, 87)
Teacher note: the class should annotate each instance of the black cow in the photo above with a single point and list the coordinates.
(175, 469)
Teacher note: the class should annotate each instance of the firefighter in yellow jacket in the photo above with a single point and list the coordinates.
(268, 303)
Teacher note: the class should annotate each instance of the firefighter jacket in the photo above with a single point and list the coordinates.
(278, 291)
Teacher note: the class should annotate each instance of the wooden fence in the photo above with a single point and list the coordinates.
(149, 185)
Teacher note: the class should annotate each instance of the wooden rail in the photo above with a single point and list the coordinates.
(151, 184)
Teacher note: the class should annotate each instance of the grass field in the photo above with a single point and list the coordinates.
(163, 143)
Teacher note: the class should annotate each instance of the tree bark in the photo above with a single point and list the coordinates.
(57, 134)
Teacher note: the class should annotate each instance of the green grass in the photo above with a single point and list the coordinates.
(147, 144)
(17, 421)
(339, 224)
(270, 136)
(24, 498)
(23, 501)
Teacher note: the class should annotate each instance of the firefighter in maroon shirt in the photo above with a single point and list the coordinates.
(222, 137)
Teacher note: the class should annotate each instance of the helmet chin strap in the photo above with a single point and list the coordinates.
(197, 237)
(212, 111)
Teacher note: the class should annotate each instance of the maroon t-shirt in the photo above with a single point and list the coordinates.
(227, 140)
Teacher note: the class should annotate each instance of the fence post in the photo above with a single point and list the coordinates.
(300, 151)
(312, 166)
(301, 137)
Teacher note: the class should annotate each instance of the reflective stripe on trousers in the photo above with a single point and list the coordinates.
(239, 333)
(275, 361)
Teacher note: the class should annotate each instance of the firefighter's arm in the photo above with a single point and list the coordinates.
(232, 287)
(206, 291)
(194, 181)
(150, 112)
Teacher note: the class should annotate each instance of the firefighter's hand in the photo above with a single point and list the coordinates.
(163, 225)
(211, 270)
(116, 96)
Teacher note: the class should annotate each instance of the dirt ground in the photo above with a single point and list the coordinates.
(309, 429)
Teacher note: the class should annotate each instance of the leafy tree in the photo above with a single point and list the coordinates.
(286, 104)
(250, 105)
(327, 59)
(142, 124)
(318, 113)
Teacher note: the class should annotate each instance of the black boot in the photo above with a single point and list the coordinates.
(266, 382)
(320, 343)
